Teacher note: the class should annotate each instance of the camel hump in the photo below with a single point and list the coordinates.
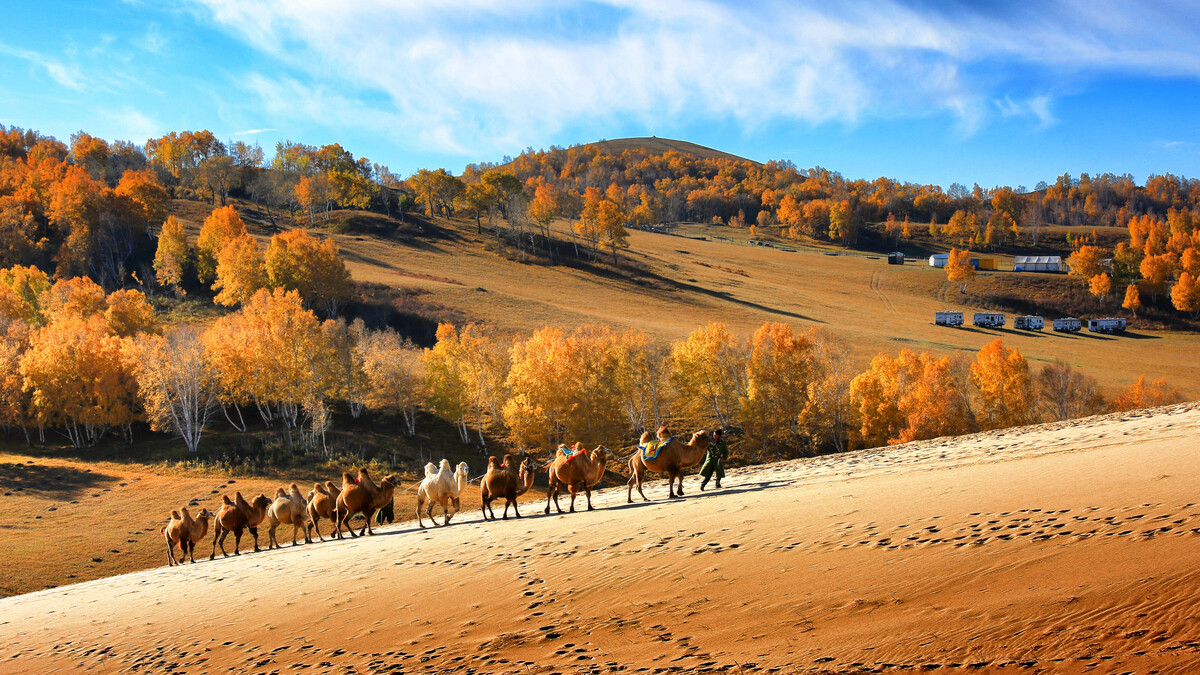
(446, 465)
(362, 471)
(280, 492)
(175, 514)
(227, 500)
(493, 463)
(430, 469)
(317, 487)
(347, 478)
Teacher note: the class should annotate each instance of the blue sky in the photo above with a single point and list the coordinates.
(922, 91)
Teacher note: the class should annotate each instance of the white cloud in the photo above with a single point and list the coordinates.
(485, 75)
(250, 132)
(65, 74)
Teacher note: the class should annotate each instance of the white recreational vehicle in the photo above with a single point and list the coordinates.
(1029, 322)
(948, 318)
(1106, 325)
(938, 260)
(989, 319)
(1067, 325)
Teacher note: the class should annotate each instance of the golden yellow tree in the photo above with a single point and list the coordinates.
(15, 404)
(1005, 387)
(74, 298)
(128, 314)
(1087, 261)
(1133, 299)
(78, 381)
(271, 354)
(643, 380)
(445, 381)
(959, 269)
(25, 287)
(1100, 286)
(171, 256)
(828, 416)
(911, 397)
(240, 271)
(222, 226)
(709, 372)
(544, 390)
(778, 372)
(297, 261)
(1185, 294)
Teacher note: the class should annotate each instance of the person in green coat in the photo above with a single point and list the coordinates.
(714, 460)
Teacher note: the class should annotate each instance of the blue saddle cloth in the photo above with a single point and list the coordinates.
(650, 450)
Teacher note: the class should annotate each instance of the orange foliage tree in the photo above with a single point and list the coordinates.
(911, 397)
(959, 269)
(222, 226)
(172, 254)
(314, 268)
(1141, 395)
(240, 271)
(709, 374)
(1185, 294)
(1005, 389)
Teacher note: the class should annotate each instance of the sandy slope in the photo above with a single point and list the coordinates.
(1059, 548)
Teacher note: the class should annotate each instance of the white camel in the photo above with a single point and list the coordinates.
(289, 508)
(441, 486)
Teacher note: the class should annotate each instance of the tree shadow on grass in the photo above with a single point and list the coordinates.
(49, 481)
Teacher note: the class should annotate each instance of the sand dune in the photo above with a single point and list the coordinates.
(1067, 547)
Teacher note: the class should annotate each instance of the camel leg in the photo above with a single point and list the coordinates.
(639, 473)
(271, 541)
(170, 553)
(671, 485)
(632, 477)
(679, 490)
(457, 502)
(192, 551)
(588, 491)
(368, 514)
(574, 491)
(254, 531)
(484, 506)
(237, 542)
(445, 511)
(420, 503)
(293, 534)
(216, 535)
(312, 525)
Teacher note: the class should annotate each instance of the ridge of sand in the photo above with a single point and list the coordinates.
(1065, 547)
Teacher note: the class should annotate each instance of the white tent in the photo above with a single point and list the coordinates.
(1039, 263)
(938, 260)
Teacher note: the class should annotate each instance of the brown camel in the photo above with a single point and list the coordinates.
(237, 515)
(673, 457)
(504, 479)
(362, 496)
(581, 472)
(185, 531)
(322, 502)
(289, 508)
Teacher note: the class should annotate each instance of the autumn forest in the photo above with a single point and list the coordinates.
(93, 259)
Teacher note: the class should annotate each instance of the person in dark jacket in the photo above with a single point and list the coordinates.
(714, 460)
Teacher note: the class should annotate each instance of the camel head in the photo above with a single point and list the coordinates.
(205, 514)
(701, 438)
(391, 480)
(261, 502)
(664, 433)
(462, 471)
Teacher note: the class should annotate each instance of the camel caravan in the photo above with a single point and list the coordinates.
(571, 468)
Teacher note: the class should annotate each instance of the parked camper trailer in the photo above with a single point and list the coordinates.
(1039, 263)
(1067, 325)
(989, 319)
(948, 318)
(1106, 325)
(1029, 322)
(938, 260)
(895, 258)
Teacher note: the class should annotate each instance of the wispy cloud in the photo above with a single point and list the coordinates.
(478, 75)
(65, 74)
(250, 132)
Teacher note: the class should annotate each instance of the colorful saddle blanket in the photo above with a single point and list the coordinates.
(572, 453)
(650, 450)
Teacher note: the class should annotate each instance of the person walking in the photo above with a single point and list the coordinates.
(714, 460)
